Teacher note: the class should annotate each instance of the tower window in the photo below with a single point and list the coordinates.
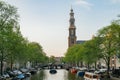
(72, 32)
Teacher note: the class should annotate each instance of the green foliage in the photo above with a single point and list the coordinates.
(52, 59)
(35, 52)
(70, 55)
(87, 52)
(110, 39)
(110, 43)
(13, 46)
(91, 51)
(103, 46)
(8, 29)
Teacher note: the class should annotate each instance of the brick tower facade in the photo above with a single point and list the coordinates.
(72, 30)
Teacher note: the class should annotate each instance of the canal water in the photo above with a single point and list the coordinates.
(60, 75)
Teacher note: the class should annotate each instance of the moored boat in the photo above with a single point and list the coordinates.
(91, 76)
(80, 73)
(20, 76)
(53, 71)
(28, 74)
(33, 71)
(74, 71)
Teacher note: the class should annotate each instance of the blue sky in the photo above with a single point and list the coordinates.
(47, 21)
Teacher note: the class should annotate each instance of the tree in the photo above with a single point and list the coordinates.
(91, 53)
(79, 54)
(115, 26)
(74, 54)
(13, 46)
(110, 36)
(52, 59)
(70, 55)
(35, 53)
(8, 22)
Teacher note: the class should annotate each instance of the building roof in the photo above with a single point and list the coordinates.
(80, 41)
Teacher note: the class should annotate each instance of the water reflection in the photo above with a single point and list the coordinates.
(72, 76)
(60, 75)
(39, 76)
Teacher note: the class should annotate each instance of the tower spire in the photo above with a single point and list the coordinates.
(72, 19)
(72, 29)
(71, 8)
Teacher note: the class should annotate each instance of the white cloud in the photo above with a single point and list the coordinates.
(115, 1)
(83, 3)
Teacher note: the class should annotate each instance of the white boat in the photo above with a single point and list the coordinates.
(91, 76)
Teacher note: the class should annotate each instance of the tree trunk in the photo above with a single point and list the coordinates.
(108, 67)
(1, 67)
(1, 64)
(81, 64)
(11, 63)
(95, 65)
(88, 66)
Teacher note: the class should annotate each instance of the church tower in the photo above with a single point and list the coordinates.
(72, 30)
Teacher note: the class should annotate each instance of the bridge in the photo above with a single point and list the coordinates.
(54, 66)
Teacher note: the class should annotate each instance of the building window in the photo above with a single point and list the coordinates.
(113, 62)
